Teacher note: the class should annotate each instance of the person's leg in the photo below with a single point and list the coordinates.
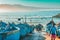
(54, 37)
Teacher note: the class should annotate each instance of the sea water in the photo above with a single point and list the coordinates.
(32, 20)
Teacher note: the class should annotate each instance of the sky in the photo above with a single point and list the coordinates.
(43, 5)
(34, 3)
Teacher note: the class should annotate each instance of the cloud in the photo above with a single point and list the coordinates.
(16, 7)
(22, 8)
(34, 3)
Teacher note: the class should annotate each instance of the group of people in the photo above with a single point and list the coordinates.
(51, 28)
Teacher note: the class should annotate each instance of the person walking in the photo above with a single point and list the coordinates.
(53, 32)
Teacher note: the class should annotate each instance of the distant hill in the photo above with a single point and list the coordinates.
(17, 6)
(57, 16)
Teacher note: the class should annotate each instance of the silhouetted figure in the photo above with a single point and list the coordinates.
(53, 32)
(49, 25)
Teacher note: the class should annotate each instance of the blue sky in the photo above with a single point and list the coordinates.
(53, 4)
(35, 3)
(31, 1)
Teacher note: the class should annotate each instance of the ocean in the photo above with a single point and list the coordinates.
(42, 17)
(31, 20)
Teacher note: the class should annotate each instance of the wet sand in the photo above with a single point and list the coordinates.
(38, 36)
(34, 36)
